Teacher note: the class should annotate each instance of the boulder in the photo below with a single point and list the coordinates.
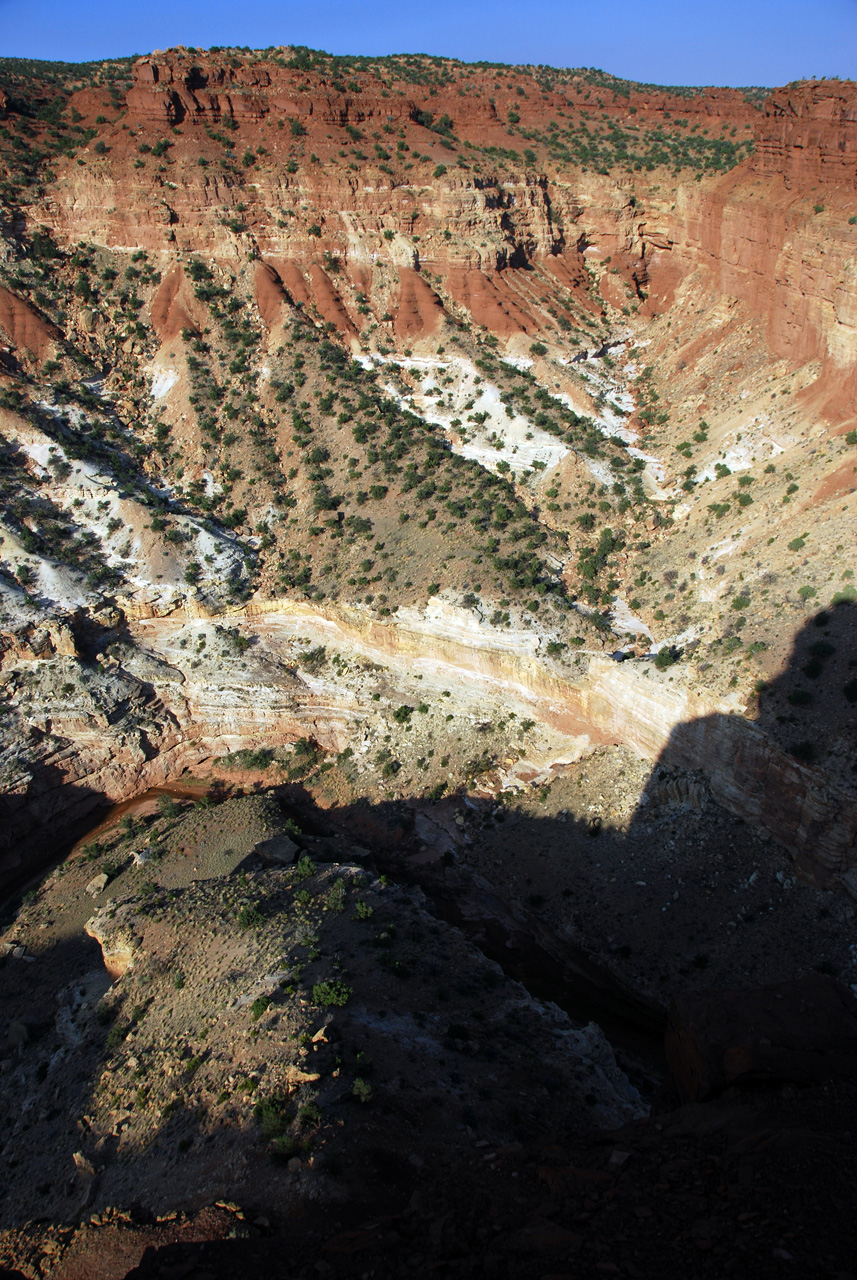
(277, 849)
(116, 934)
(804, 1031)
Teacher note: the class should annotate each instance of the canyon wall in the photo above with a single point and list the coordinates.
(249, 165)
(157, 719)
(777, 234)
(773, 232)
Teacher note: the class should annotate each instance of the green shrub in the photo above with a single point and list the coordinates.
(250, 917)
(167, 807)
(313, 659)
(331, 992)
(287, 1147)
(309, 1114)
(274, 1115)
(361, 1090)
(259, 1006)
(117, 1034)
(335, 900)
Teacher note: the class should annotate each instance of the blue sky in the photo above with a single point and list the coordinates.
(661, 41)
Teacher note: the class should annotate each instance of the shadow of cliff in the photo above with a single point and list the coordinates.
(51, 1048)
(811, 708)
(40, 823)
(419, 844)
(497, 871)
(791, 770)
(607, 921)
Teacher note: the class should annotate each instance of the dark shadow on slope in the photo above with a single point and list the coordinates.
(611, 923)
(41, 816)
(505, 930)
(423, 843)
(51, 1045)
(812, 707)
(792, 770)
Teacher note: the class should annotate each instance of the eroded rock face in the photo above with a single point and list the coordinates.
(25, 328)
(135, 733)
(809, 134)
(173, 307)
(425, 243)
(117, 937)
(752, 233)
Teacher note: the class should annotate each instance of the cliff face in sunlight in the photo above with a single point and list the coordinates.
(773, 233)
(455, 230)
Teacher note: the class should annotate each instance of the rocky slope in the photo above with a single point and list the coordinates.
(464, 457)
(215, 1005)
(321, 1007)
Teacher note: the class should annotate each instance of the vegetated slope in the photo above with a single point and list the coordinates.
(301, 1042)
(351, 410)
(286, 326)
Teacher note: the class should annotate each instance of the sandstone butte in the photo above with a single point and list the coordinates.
(420, 444)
